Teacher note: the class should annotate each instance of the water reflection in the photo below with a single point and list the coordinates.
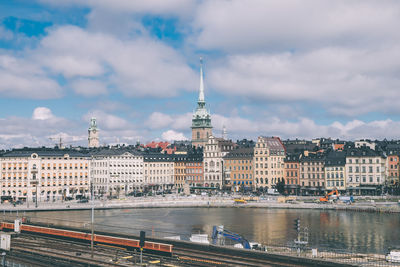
(358, 232)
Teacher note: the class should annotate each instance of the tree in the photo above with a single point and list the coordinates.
(280, 186)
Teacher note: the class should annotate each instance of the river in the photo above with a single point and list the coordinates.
(350, 231)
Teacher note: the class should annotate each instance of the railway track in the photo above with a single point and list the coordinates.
(79, 253)
(222, 259)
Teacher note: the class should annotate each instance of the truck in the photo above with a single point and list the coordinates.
(347, 199)
(272, 191)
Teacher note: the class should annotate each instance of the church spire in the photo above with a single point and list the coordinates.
(201, 91)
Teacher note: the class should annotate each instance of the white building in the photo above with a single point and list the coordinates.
(117, 172)
(214, 151)
(365, 170)
(55, 173)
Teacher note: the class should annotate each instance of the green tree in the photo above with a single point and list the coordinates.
(280, 186)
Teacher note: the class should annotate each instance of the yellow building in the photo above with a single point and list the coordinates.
(269, 155)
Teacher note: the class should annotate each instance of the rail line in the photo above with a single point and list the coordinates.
(223, 259)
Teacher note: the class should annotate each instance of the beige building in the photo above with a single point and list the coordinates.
(269, 155)
(158, 171)
(55, 173)
(214, 151)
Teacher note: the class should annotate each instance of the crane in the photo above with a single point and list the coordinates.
(60, 141)
(219, 232)
(326, 197)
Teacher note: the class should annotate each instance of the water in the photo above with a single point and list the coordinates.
(350, 231)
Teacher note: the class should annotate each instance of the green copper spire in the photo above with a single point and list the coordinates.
(201, 117)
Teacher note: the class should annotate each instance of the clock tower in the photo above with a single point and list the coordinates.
(93, 134)
(201, 120)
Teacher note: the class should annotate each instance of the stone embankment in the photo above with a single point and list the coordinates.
(202, 201)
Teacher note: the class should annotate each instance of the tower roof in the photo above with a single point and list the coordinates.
(201, 89)
(201, 117)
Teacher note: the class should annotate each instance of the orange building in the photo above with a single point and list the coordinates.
(291, 173)
(238, 169)
(393, 169)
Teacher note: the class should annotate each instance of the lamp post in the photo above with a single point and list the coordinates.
(35, 182)
(92, 224)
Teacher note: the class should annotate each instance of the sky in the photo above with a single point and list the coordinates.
(293, 69)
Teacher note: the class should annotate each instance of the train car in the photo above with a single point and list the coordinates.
(130, 244)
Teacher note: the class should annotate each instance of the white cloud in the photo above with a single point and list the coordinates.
(140, 67)
(172, 135)
(158, 120)
(88, 87)
(107, 121)
(280, 25)
(24, 79)
(42, 113)
(345, 81)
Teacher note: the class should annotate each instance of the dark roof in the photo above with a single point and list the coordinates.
(292, 157)
(312, 157)
(364, 151)
(157, 157)
(46, 152)
(197, 157)
(240, 153)
(335, 158)
(115, 152)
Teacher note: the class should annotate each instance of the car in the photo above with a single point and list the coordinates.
(83, 200)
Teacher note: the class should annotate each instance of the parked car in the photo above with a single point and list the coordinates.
(83, 200)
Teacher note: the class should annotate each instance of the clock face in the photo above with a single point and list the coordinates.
(94, 131)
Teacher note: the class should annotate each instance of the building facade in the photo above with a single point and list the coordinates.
(335, 171)
(269, 155)
(392, 167)
(239, 171)
(44, 174)
(312, 173)
(158, 172)
(292, 173)
(214, 151)
(117, 172)
(365, 171)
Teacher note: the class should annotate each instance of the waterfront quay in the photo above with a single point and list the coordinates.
(368, 204)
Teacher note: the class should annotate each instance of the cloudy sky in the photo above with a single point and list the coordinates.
(295, 69)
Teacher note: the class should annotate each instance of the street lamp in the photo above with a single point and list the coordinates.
(35, 182)
(92, 224)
